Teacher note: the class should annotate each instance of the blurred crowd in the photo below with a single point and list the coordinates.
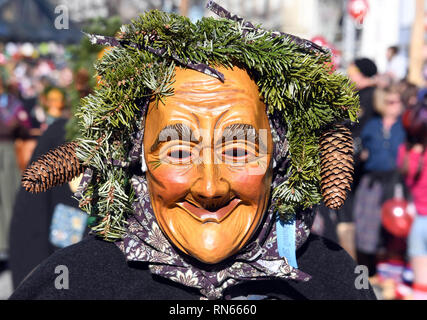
(383, 225)
(31, 82)
(37, 89)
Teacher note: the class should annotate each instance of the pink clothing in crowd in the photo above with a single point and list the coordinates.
(418, 188)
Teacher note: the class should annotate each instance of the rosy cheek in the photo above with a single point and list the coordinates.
(247, 185)
(172, 182)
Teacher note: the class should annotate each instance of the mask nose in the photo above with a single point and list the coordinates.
(211, 191)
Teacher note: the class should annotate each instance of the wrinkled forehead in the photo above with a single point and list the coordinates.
(202, 96)
(208, 91)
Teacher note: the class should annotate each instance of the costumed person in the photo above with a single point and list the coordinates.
(204, 152)
(381, 138)
(412, 160)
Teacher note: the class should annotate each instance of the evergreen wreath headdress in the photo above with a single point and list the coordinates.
(295, 79)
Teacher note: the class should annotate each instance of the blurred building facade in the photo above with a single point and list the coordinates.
(387, 23)
(83, 10)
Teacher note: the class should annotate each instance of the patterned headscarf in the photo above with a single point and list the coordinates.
(259, 259)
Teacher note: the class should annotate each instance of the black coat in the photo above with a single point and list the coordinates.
(98, 270)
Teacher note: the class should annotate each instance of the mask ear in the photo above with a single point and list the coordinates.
(143, 163)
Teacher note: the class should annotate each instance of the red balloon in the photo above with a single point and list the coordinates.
(396, 217)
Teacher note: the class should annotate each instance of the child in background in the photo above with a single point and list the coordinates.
(412, 160)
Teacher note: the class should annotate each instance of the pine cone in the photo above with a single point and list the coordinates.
(336, 159)
(52, 169)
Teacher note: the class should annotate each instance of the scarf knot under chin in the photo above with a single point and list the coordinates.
(259, 260)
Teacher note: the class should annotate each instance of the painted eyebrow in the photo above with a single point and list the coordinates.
(177, 131)
(241, 131)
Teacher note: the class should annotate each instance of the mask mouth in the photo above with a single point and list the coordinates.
(204, 215)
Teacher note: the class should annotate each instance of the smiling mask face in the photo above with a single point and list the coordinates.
(208, 152)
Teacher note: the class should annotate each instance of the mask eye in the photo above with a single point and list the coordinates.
(179, 154)
(235, 152)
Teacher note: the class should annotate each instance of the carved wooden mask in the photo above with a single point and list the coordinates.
(208, 150)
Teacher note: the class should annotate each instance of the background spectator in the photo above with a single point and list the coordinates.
(14, 123)
(412, 159)
(381, 138)
(397, 65)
